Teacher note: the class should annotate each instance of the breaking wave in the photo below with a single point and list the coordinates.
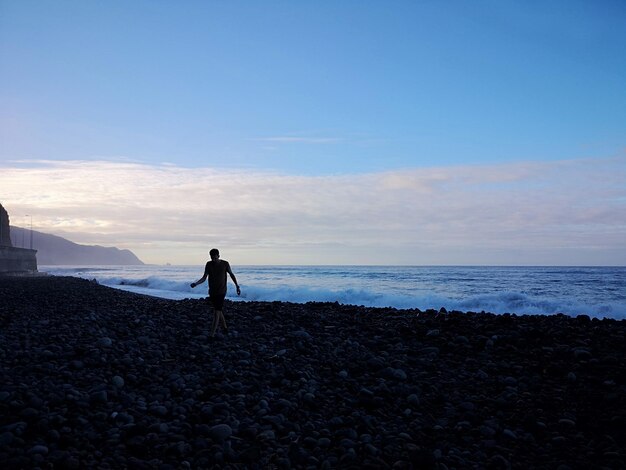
(174, 287)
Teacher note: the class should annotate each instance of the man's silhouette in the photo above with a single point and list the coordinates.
(216, 270)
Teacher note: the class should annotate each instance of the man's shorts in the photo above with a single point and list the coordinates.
(217, 301)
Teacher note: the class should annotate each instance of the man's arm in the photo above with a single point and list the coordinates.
(232, 276)
(203, 278)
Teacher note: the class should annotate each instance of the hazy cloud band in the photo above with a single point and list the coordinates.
(566, 212)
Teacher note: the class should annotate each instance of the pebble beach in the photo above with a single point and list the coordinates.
(93, 377)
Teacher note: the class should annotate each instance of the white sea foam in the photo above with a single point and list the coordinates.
(496, 290)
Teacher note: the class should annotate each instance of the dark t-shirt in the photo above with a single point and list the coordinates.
(216, 272)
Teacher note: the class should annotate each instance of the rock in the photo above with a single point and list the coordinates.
(510, 381)
(461, 339)
(510, 434)
(117, 381)
(283, 404)
(144, 340)
(72, 463)
(159, 410)
(38, 449)
(468, 406)
(266, 436)
(430, 351)
(29, 414)
(323, 442)
(499, 462)
(413, 400)
(391, 373)
(375, 363)
(104, 342)
(301, 334)
(347, 443)
(5, 229)
(582, 354)
(6, 438)
(220, 432)
(353, 387)
(98, 397)
(124, 418)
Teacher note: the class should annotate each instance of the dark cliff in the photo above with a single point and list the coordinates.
(14, 260)
(5, 239)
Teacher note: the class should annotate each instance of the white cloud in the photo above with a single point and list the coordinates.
(567, 212)
(299, 140)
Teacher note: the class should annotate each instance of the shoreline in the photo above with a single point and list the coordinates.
(521, 292)
(97, 376)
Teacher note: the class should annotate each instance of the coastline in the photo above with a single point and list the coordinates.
(597, 292)
(96, 376)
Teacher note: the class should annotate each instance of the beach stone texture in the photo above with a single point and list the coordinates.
(92, 377)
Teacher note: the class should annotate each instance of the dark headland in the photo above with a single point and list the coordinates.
(92, 377)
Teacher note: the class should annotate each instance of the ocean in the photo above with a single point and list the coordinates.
(595, 291)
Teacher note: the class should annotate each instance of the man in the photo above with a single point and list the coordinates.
(216, 270)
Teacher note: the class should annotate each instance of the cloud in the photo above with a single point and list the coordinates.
(520, 213)
(299, 140)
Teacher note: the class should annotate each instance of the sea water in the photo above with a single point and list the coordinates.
(594, 291)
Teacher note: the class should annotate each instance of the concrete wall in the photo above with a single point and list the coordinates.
(17, 260)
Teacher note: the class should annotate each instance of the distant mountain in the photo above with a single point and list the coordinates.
(57, 250)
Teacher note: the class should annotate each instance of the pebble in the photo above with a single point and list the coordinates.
(99, 397)
(268, 435)
(105, 342)
(38, 449)
(323, 442)
(413, 400)
(510, 381)
(98, 378)
(118, 381)
(6, 438)
(220, 432)
(510, 434)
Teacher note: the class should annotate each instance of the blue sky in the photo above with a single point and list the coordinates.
(320, 93)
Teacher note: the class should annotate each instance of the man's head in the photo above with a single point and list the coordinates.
(214, 254)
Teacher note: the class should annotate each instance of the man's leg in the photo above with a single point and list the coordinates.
(223, 320)
(215, 321)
